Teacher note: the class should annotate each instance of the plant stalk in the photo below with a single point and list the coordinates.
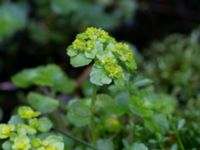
(92, 119)
(179, 140)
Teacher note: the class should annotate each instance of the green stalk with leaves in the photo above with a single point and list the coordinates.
(112, 61)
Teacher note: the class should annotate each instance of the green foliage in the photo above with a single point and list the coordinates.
(50, 75)
(24, 134)
(71, 13)
(105, 144)
(99, 17)
(42, 103)
(13, 17)
(137, 146)
(79, 112)
(178, 76)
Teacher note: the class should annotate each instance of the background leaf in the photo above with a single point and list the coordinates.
(78, 112)
(42, 103)
(13, 17)
(50, 75)
(105, 144)
(138, 146)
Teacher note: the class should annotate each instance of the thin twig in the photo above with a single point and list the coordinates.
(83, 76)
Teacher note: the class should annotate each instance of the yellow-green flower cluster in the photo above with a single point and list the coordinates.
(27, 113)
(114, 58)
(6, 130)
(21, 142)
(52, 143)
(111, 67)
(21, 132)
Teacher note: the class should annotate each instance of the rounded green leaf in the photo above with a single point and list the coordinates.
(79, 113)
(80, 60)
(15, 119)
(26, 77)
(42, 103)
(63, 6)
(138, 146)
(105, 144)
(139, 104)
(50, 75)
(7, 145)
(44, 124)
(12, 18)
(64, 85)
(157, 123)
(99, 77)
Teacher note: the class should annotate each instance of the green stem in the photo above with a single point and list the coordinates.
(179, 140)
(175, 129)
(76, 139)
(92, 119)
(159, 142)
